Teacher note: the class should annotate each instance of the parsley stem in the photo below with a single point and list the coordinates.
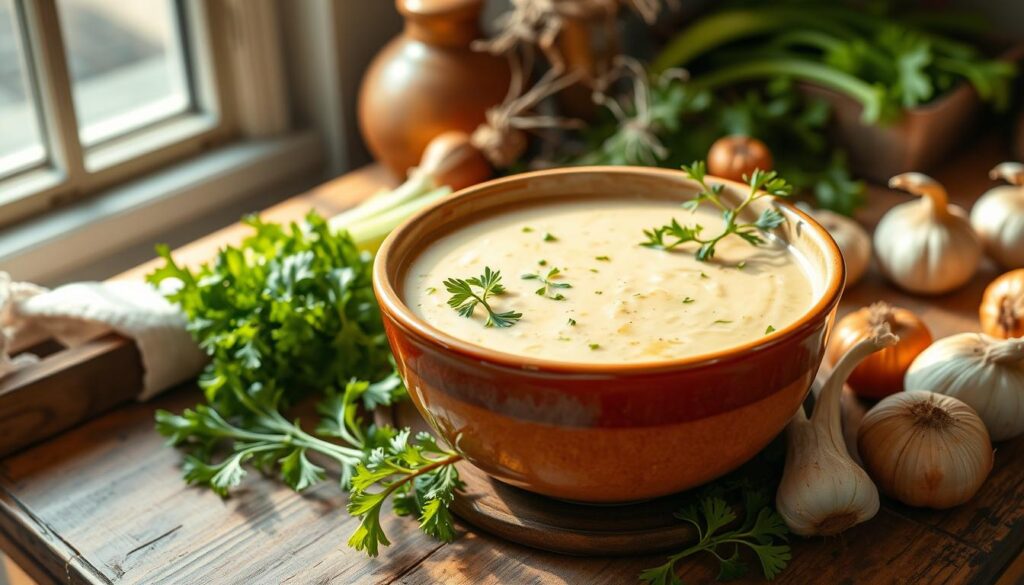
(412, 474)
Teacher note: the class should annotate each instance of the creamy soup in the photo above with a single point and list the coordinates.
(624, 302)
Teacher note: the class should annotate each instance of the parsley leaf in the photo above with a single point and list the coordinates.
(465, 300)
(762, 532)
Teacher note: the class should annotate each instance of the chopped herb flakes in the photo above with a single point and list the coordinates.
(688, 300)
(549, 290)
(602, 258)
(550, 238)
(769, 330)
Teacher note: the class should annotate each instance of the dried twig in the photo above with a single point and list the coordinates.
(501, 137)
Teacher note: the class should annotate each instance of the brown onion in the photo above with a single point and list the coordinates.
(453, 161)
(1002, 306)
(882, 373)
(732, 157)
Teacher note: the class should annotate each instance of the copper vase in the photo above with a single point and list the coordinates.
(427, 81)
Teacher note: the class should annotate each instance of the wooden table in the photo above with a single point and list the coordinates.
(105, 503)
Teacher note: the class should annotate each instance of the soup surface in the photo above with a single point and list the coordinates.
(624, 302)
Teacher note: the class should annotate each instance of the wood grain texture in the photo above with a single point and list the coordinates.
(65, 388)
(105, 502)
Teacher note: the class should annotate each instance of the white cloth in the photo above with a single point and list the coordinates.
(76, 313)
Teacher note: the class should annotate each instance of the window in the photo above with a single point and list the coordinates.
(94, 92)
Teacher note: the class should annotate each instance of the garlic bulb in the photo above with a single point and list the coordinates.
(823, 491)
(925, 449)
(926, 246)
(852, 239)
(998, 216)
(984, 372)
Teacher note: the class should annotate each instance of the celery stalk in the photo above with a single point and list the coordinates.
(871, 97)
(369, 231)
(724, 27)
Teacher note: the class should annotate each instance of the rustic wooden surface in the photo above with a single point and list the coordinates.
(104, 502)
(65, 388)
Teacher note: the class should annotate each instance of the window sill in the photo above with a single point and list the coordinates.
(44, 248)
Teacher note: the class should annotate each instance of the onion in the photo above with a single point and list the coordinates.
(882, 373)
(733, 157)
(1002, 306)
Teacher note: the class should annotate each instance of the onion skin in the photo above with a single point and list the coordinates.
(733, 157)
(925, 449)
(882, 373)
(1002, 306)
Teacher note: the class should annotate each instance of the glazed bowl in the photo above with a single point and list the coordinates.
(604, 433)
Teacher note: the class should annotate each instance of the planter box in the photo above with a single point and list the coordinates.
(921, 138)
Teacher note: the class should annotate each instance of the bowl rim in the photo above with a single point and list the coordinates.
(392, 305)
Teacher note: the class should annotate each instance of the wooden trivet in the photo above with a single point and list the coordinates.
(567, 528)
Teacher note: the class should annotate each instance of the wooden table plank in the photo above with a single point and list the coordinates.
(105, 502)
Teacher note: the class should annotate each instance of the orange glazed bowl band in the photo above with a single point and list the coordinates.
(603, 432)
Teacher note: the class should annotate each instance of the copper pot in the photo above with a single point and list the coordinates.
(427, 81)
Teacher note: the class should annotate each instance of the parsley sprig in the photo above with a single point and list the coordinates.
(465, 300)
(762, 184)
(421, 478)
(763, 532)
(550, 285)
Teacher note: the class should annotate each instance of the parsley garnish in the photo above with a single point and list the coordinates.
(763, 532)
(603, 258)
(594, 346)
(542, 262)
(431, 290)
(688, 300)
(741, 265)
(550, 238)
(527, 229)
(769, 330)
(572, 322)
(465, 300)
(704, 275)
(761, 184)
(721, 321)
(549, 290)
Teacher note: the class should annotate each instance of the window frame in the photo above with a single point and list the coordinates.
(70, 172)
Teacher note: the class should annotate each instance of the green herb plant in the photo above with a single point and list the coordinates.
(550, 286)
(762, 184)
(465, 299)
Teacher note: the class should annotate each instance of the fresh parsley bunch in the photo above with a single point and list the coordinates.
(288, 313)
(291, 314)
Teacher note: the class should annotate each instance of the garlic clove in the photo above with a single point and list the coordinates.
(823, 491)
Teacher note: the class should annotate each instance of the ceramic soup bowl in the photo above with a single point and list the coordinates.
(604, 433)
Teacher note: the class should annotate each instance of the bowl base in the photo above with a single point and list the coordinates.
(570, 528)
